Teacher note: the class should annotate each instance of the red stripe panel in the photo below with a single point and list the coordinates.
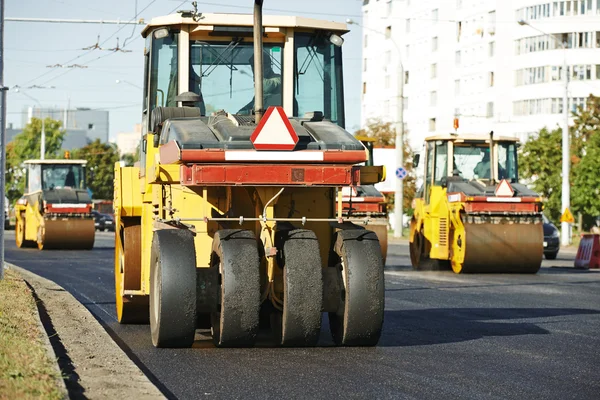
(253, 174)
(73, 210)
(501, 207)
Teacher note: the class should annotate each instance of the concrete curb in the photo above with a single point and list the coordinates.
(100, 368)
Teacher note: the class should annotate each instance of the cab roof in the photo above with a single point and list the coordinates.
(269, 21)
(464, 137)
(65, 161)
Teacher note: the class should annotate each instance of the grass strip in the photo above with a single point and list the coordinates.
(26, 371)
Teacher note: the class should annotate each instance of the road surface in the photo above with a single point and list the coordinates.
(445, 336)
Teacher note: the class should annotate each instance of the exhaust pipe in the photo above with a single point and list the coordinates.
(258, 61)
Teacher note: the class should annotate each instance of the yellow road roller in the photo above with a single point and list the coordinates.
(233, 221)
(472, 214)
(55, 211)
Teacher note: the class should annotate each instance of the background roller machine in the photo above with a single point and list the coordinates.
(55, 211)
(234, 221)
(472, 214)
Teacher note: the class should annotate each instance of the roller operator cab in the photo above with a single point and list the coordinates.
(55, 211)
(231, 221)
(472, 214)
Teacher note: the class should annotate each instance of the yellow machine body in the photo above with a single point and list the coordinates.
(55, 211)
(472, 223)
(217, 226)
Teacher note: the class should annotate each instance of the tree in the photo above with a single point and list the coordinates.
(540, 159)
(385, 136)
(585, 194)
(26, 146)
(101, 158)
(131, 158)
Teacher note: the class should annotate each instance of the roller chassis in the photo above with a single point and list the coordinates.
(249, 251)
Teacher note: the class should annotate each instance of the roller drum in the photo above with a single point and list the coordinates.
(67, 233)
(504, 246)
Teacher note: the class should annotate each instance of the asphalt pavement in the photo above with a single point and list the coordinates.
(445, 336)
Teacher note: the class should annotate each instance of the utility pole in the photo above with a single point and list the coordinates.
(565, 227)
(2, 138)
(399, 190)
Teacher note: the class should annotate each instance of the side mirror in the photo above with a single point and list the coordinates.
(416, 159)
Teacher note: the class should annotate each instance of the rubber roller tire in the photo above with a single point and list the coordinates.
(300, 322)
(359, 318)
(420, 259)
(173, 288)
(235, 255)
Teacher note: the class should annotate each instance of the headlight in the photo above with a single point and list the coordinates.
(555, 233)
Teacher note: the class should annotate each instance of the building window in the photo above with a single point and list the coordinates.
(90, 126)
(434, 43)
(491, 78)
(388, 32)
(433, 98)
(365, 42)
(598, 69)
(490, 109)
(457, 87)
(431, 124)
(491, 49)
(434, 15)
(457, 57)
(406, 77)
(364, 87)
(458, 30)
(433, 71)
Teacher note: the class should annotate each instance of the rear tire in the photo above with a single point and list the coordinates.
(359, 318)
(420, 258)
(235, 256)
(20, 240)
(173, 288)
(551, 256)
(300, 322)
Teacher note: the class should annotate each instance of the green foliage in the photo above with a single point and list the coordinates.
(131, 159)
(385, 136)
(540, 159)
(26, 146)
(585, 192)
(101, 158)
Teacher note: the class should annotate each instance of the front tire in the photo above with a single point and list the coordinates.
(173, 288)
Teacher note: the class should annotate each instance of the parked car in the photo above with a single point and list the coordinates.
(99, 220)
(6, 220)
(551, 240)
(109, 222)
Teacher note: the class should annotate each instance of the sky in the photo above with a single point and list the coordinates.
(30, 47)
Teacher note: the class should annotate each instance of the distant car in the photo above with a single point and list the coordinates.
(99, 220)
(551, 239)
(109, 222)
(6, 220)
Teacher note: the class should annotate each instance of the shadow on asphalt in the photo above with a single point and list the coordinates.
(451, 325)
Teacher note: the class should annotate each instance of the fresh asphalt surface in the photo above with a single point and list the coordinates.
(445, 336)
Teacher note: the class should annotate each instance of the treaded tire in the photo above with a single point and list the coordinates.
(551, 256)
(235, 255)
(300, 322)
(421, 261)
(359, 318)
(173, 288)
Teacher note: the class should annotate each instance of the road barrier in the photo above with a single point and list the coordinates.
(588, 253)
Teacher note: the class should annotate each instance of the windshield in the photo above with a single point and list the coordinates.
(473, 161)
(318, 77)
(60, 176)
(223, 75)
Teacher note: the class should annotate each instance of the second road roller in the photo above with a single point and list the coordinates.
(56, 210)
(233, 219)
(472, 214)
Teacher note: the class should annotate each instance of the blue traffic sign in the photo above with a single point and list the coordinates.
(401, 173)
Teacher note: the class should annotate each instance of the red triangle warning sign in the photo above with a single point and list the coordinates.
(274, 132)
(504, 189)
